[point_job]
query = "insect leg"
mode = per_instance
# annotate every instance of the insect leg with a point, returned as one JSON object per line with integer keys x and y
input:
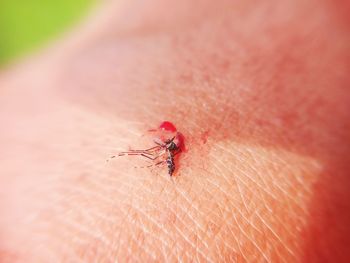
{"x": 151, "y": 158}
{"x": 147, "y": 151}
{"x": 147, "y": 166}
{"x": 163, "y": 144}
{"x": 151, "y": 153}
{"x": 141, "y": 153}
{"x": 147, "y": 155}
{"x": 154, "y": 148}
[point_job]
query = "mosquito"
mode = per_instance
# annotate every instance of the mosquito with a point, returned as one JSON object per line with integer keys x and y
{"x": 168, "y": 149}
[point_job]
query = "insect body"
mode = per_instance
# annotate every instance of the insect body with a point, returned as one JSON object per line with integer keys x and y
{"x": 163, "y": 153}
{"x": 170, "y": 163}
{"x": 172, "y": 150}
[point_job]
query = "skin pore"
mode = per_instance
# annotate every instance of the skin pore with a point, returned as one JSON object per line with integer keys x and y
{"x": 258, "y": 88}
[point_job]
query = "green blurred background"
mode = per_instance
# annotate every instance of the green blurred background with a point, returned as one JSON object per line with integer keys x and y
{"x": 28, "y": 24}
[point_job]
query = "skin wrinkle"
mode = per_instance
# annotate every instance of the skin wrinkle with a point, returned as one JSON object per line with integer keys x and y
{"x": 274, "y": 184}
{"x": 252, "y": 180}
{"x": 277, "y": 186}
{"x": 139, "y": 241}
{"x": 264, "y": 221}
{"x": 148, "y": 232}
{"x": 208, "y": 236}
{"x": 238, "y": 208}
{"x": 190, "y": 230}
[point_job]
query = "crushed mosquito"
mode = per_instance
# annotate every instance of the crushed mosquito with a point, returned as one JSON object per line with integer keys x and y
{"x": 168, "y": 144}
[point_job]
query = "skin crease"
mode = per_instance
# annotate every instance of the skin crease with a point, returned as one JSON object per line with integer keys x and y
{"x": 258, "y": 88}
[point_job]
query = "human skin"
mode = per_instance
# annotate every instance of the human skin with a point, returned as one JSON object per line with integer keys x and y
{"x": 258, "y": 88}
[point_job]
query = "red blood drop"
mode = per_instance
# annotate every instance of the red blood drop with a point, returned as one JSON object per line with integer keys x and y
{"x": 180, "y": 141}
{"x": 167, "y": 126}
